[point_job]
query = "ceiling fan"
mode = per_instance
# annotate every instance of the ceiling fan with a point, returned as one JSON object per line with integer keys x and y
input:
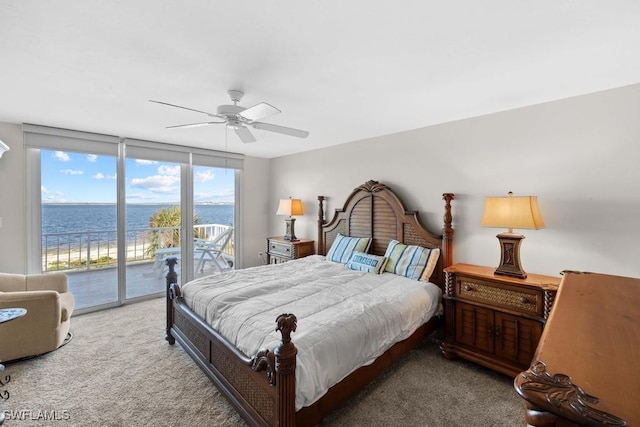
{"x": 240, "y": 118}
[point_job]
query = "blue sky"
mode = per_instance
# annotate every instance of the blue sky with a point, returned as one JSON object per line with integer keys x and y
{"x": 86, "y": 178}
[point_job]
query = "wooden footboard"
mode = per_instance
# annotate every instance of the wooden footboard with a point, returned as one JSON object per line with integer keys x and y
{"x": 262, "y": 387}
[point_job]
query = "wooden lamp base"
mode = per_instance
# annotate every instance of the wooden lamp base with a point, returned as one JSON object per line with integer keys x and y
{"x": 510, "y": 255}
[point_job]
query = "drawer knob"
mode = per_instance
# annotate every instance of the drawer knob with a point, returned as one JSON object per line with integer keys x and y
{"x": 524, "y": 300}
{"x": 468, "y": 288}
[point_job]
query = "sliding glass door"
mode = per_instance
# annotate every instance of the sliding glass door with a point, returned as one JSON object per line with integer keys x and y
{"x": 109, "y": 211}
{"x": 153, "y": 223}
{"x": 214, "y": 220}
{"x": 79, "y": 223}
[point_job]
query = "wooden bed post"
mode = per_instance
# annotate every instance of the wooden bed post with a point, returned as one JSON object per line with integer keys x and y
{"x": 320, "y": 250}
{"x": 447, "y": 231}
{"x": 285, "y": 354}
{"x": 172, "y": 277}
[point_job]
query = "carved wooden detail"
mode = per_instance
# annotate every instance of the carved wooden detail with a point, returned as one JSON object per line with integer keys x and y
{"x": 175, "y": 291}
{"x": 171, "y": 280}
{"x": 560, "y": 392}
{"x": 172, "y": 276}
{"x": 448, "y": 284}
{"x": 447, "y": 231}
{"x": 287, "y": 323}
{"x": 321, "y": 248}
{"x": 265, "y": 361}
{"x": 286, "y": 368}
{"x": 549, "y": 297}
{"x": 371, "y": 186}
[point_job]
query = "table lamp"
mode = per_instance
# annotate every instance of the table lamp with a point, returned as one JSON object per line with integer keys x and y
{"x": 290, "y": 207}
{"x": 511, "y": 212}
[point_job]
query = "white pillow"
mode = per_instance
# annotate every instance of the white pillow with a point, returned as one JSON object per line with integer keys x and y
{"x": 361, "y": 261}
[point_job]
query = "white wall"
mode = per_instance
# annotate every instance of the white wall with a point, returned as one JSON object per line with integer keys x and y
{"x": 12, "y": 201}
{"x": 254, "y": 200}
{"x": 579, "y": 156}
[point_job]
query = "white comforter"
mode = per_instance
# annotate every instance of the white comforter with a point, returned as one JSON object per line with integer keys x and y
{"x": 346, "y": 318}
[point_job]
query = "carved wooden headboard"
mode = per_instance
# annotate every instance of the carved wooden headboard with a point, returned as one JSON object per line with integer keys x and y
{"x": 373, "y": 210}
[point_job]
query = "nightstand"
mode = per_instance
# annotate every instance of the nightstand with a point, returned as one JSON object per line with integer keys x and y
{"x": 495, "y": 321}
{"x": 281, "y": 250}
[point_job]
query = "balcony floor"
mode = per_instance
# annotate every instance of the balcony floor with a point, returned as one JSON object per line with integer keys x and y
{"x": 96, "y": 287}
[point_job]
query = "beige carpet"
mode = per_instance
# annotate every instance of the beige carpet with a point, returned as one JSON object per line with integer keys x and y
{"x": 119, "y": 371}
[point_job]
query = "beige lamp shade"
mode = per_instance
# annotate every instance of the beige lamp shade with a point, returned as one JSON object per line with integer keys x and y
{"x": 512, "y": 212}
{"x": 290, "y": 207}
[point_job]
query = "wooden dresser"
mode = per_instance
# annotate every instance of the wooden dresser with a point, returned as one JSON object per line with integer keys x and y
{"x": 281, "y": 250}
{"x": 586, "y": 369}
{"x": 495, "y": 321}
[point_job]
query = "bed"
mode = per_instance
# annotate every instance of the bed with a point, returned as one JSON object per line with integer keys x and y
{"x": 258, "y": 375}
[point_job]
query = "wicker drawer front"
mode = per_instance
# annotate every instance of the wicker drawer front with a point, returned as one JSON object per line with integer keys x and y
{"x": 282, "y": 249}
{"x": 520, "y": 299}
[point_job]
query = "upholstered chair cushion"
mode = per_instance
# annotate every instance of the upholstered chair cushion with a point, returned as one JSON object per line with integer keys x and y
{"x": 49, "y": 307}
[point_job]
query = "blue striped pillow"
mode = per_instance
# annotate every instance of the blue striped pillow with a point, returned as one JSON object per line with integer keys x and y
{"x": 344, "y": 246}
{"x": 406, "y": 260}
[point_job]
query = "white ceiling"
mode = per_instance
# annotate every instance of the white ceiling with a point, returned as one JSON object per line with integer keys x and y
{"x": 343, "y": 70}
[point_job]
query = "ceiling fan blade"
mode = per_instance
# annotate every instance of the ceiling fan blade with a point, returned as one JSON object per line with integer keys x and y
{"x": 259, "y": 111}
{"x": 245, "y": 134}
{"x": 280, "y": 129}
{"x": 195, "y": 125}
{"x": 185, "y": 108}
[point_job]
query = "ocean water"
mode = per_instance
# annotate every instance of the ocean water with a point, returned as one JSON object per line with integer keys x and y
{"x": 82, "y": 218}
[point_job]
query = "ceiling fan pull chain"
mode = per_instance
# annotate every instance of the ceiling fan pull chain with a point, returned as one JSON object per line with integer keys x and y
{"x": 226, "y": 151}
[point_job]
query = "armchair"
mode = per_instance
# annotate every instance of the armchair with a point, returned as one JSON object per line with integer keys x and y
{"x": 49, "y": 307}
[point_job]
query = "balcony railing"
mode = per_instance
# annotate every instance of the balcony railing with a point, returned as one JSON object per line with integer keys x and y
{"x": 99, "y": 249}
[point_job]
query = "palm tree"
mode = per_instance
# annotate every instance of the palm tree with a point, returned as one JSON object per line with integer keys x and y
{"x": 165, "y": 223}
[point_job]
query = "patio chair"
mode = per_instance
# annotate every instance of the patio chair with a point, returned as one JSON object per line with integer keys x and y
{"x": 213, "y": 251}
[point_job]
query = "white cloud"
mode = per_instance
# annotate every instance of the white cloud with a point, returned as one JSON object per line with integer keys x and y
{"x": 169, "y": 170}
{"x": 226, "y": 194}
{"x": 71, "y": 172}
{"x": 140, "y": 196}
{"x": 157, "y": 183}
{"x": 99, "y": 175}
{"x": 61, "y": 156}
{"x": 145, "y": 162}
{"x": 92, "y": 158}
{"x": 43, "y": 189}
{"x": 204, "y": 176}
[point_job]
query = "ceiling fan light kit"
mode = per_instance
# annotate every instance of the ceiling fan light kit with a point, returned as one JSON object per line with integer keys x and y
{"x": 238, "y": 118}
